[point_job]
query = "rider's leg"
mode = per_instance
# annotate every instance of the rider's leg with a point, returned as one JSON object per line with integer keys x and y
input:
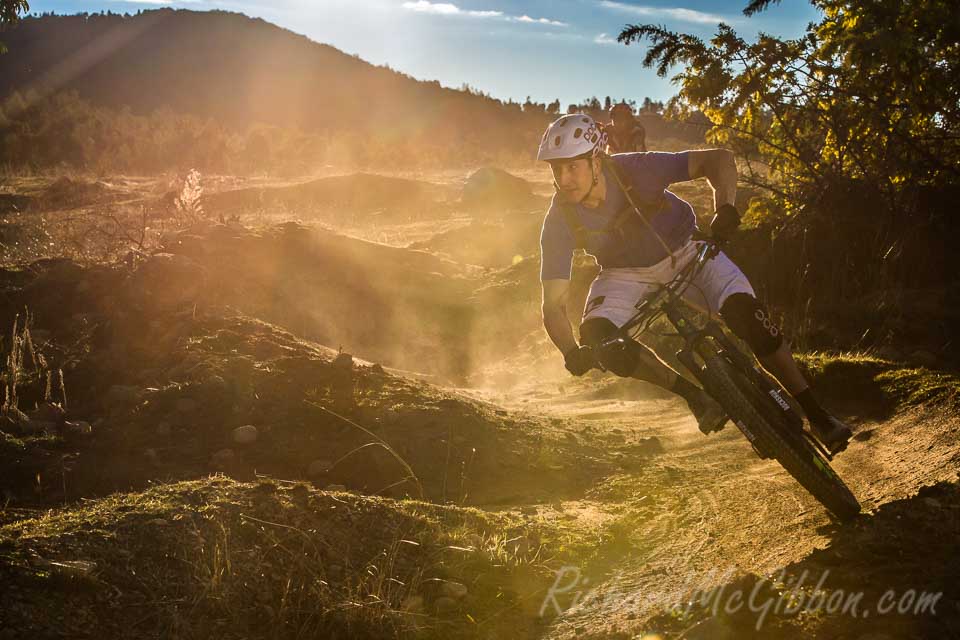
{"x": 632, "y": 359}
{"x": 747, "y": 318}
{"x": 722, "y": 287}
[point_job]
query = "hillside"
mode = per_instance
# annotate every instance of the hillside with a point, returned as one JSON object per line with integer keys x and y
{"x": 176, "y": 59}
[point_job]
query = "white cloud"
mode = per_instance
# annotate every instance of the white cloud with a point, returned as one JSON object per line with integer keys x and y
{"x": 448, "y": 9}
{"x": 164, "y": 2}
{"x": 604, "y": 38}
{"x": 676, "y": 13}
{"x": 526, "y": 18}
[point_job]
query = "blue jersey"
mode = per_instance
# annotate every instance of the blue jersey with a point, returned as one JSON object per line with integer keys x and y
{"x": 632, "y": 245}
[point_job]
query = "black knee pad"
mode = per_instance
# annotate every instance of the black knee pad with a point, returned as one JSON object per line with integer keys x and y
{"x": 747, "y": 318}
{"x": 621, "y": 357}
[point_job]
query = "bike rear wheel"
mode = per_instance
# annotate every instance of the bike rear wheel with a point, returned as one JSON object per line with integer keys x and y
{"x": 731, "y": 388}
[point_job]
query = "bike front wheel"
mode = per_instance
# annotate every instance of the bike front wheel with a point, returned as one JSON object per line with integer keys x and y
{"x": 732, "y": 389}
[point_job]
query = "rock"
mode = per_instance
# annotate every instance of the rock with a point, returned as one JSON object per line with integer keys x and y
{"x": 455, "y": 590}
{"x": 492, "y": 188}
{"x": 445, "y": 605}
{"x": 391, "y": 416}
{"x": 186, "y": 405}
{"x": 223, "y": 458}
{"x": 343, "y": 361}
{"x": 528, "y": 510}
{"x": 376, "y": 367}
{"x": 923, "y": 358}
{"x": 318, "y": 468}
{"x": 158, "y": 522}
{"x": 412, "y": 604}
{"x": 150, "y": 454}
{"x": 247, "y": 434}
{"x": 78, "y": 428}
{"x": 647, "y": 446}
{"x": 932, "y": 503}
{"x": 335, "y": 487}
{"x": 72, "y": 568}
{"x": 163, "y": 429}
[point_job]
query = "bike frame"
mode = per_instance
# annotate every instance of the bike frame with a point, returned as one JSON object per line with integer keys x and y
{"x": 708, "y": 341}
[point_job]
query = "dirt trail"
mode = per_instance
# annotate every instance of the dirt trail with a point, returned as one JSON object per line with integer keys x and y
{"x": 707, "y": 510}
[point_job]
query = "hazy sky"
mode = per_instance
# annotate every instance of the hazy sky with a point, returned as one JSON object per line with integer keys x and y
{"x": 546, "y": 49}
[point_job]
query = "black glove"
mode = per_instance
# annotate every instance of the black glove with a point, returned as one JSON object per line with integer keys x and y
{"x": 725, "y": 222}
{"x": 579, "y": 360}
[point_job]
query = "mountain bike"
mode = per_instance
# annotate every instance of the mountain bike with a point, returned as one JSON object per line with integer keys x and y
{"x": 751, "y": 398}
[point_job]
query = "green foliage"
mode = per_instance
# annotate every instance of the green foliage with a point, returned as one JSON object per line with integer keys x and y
{"x": 853, "y": 131}
{"x": 880, "y": 385}
{"x": 65, "y": 131}
{"x": 10, "y": 11}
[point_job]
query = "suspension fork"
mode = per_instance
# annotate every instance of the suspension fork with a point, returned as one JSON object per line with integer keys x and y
{"x": 692, "y": 338}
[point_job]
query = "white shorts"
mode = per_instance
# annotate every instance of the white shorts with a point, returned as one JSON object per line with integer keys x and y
{"x": 615, "y": 293}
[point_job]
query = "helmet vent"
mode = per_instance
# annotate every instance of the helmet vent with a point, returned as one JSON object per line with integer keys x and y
{"x": 556, "y": 141}
{"x": 578, "y": 133}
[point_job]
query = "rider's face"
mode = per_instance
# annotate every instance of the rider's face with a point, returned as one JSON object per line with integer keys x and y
{"x": 573, "y": 177}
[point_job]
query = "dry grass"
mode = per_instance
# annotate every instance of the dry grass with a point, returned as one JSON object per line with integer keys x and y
{"x": 272, "y": 560}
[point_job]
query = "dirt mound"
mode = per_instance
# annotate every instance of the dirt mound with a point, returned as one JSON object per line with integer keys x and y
{"x": 495, "y": 189}
{"x": 338, "y": 199}
{"x": 176, "y": 387}
{"x": 215, "y": 558}
{"x": 404, "y": 308}
{"x": 493, "y": 243}
{"x": 67, "y": 193}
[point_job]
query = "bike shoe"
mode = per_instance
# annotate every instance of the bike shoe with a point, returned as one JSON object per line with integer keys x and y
{"x": 709, "y": 414}
{"x": 833, "y": 433}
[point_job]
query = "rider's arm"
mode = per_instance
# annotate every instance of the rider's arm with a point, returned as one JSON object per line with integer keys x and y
{"x": 719, "y": 167}
{"x": 555, "y": 314}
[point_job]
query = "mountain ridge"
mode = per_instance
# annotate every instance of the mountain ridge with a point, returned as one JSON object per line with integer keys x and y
{"x": 271, "y": 75}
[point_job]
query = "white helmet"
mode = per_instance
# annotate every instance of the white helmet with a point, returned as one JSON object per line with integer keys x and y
{"x": 571, "y": 136}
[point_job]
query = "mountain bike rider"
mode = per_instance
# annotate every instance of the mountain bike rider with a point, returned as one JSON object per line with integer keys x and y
{"x": 624, "y": 133}
{"x": 590, "y": 211}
